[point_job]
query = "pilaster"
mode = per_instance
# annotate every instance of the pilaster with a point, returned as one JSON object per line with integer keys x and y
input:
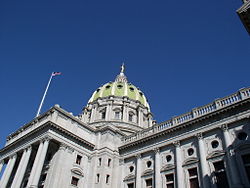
{"x": 157, "y": 168}
{"x": 178, "y": 162}
{"x": 231, "y": 161}
{"x": 138, "y": 171}
{"x": 203, "y": 161}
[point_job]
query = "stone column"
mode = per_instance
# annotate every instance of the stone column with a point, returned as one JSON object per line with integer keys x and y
{"x": 140, "y": 117}
{"x": 231, "y": 162}
{"x": 203, "y": 162}
{"x": 21, "y": 168}
{"x": 121, "y": 163}
{"x": 157, "y": 168}
{"x": 8, "y": 170}
{"x": 33, "y": 170}
{"x": 1, "y": 165}
{"x": 93, "y": 113}
{"x": 125, "y": 113}
{"x": 108, "y": 112}
{"x": 40, "y": 163}
{"x": 58, "y": 164}
{"x": 138, "y": 171}
{"x": 178, "y": 163}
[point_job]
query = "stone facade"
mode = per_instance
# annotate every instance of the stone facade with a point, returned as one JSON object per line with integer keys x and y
{"x": 114, "y": 143}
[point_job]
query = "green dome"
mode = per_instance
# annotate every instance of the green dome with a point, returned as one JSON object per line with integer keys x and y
{"x": 120, "y": 88}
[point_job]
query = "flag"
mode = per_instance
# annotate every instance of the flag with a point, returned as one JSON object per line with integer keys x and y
{"x": 56, "y": 73}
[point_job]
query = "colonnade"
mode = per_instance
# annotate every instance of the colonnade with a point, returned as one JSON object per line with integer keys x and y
{"x": 22, "y": 166}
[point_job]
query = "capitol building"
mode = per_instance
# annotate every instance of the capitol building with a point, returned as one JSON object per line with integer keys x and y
{"x": 115, "y": 143}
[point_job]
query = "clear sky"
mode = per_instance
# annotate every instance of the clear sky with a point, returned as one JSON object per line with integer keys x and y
{"x": 181, "y": 54}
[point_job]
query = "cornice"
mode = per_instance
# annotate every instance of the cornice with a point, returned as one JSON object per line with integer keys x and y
{"x": 152, "y": 135}
{"x": 48, "y": 125}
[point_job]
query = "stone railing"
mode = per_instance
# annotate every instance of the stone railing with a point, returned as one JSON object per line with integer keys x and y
{"x": 242, "y": 94}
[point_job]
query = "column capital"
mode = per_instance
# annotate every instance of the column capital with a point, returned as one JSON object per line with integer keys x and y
{"x": 199, "y": 135}
{"x": 138, "y": 156}
{"x": 224, "y": 127}
{"x": 13, "y": 156}
{"x": 29, "y": 147}
{"x": 62, "y": 146}
{"x": 70, "y": 149}
{"x": 89, "y": 158}
{"x": 156, "y": 150}
{"x": 46, "y": 138}
{"x": 121, "y": 161}
{"x": 177, "y": 143}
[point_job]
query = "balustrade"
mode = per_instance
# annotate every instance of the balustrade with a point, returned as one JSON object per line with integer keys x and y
{"x": 195, "y": 113}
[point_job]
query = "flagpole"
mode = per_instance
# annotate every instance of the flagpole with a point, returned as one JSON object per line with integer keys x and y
{"x": 39, "y": 109}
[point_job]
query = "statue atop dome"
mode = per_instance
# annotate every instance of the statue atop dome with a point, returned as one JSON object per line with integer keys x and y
{"x": 121, "y": 77}
{"x": 122, "y": 68}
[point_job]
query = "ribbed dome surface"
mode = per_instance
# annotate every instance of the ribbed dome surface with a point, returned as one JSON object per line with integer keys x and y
{"x": 120, "y": 88}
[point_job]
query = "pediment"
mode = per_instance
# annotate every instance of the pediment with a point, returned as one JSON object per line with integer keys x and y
{"x": 190, "y": 160}
{"x": 216, "y": 154}
{"x": 167, "y": 167}
{"x": 77, "y": 171}
{"x": 148, "y": 172}
{"x": 129, "y": 177}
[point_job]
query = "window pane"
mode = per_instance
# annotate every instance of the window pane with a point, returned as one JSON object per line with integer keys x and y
{"x": 194, "y": 183}
{"x": 131, "y": 185}
{"x": 170, "y": 185}
{"x": 170, "y": 177}
{"x": 192, "y": 172}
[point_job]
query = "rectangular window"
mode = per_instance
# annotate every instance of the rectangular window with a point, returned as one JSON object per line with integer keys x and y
{"x": 97, "y": 178}
{"x": 103, "y": 115}
{"x": 130, "y": 117}
{"x": 74, "y": 181}
{"x": 109, "y": 162}
{"x": 193, "y": 178}
{"x": 149, "y": 183}
{"x": 220, "y": 174}
{"x": 131, "y": 185}
{"x": 169, "y": 180}
{"x": 78, "y": 159}
{"x": 107, "y": 179}
{"x": 100, "y": 162}
{"x": 246, "y": 161}
{"x": 117, "y": 115}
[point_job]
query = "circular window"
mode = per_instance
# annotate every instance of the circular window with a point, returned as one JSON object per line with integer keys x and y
{"x": 168, "y": 158}
{"x": 215, "y": 144}
{"x": 131, "y": 89}
{"x": 108, "y": 86}
{"x": 97, "y": 90}
{"x": 149, "y": 163}
{"x": 242, "y": 136}
{"x": 119, "y": 86}
{"x": 141, "y": 93}
{"x": 131, "y": 168}
{"x": 190, "y": 151}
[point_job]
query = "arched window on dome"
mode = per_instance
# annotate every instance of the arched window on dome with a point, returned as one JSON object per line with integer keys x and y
{"x": 103, "y": 113}
{"x": 117, "y": 113}
{"x": 131, "y": 117}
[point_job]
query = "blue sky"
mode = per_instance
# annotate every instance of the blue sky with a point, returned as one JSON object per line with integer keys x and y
{"x": 181, "y": 54}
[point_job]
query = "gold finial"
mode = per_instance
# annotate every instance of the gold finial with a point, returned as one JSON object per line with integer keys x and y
{"x": 122, "y": 68}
